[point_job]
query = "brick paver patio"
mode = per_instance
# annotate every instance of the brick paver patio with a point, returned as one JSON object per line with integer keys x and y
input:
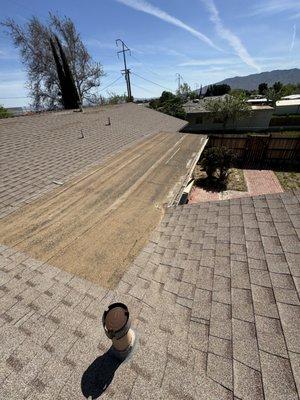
{"x": 214, "y": 298}
{"x": 37, "y": 150}
{"x": 258, "y": 182}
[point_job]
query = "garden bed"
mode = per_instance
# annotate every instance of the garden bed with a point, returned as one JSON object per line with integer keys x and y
{"x": 235, "y": 181}
{"x": 288, "y": 179}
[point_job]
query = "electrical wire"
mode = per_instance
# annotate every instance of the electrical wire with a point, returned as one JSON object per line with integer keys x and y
{"x": 154, "y": 83}
{"x": 140, "y": 87}
{"x": 110, "y": 84}
{"x": 146, "y": 68}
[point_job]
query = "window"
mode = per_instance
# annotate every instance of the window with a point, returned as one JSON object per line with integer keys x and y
{"x": 199, "y": 120}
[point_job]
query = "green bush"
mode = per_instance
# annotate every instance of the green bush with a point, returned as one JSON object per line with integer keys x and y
{"x": 4, "y": 113}
{"x": 216, "y": 162}
{"x": 170, "y": 104}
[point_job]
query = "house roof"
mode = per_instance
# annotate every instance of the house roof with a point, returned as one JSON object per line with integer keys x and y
{"x": 41, "y": 148}
{"x": 282, "y": 103}
{"x": 291, "y": 97}
{"x": 214, "y": 300}
{"x": 199, "y": 107}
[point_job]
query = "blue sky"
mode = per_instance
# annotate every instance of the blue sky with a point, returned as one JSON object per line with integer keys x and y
{"x": 203, "y": 40}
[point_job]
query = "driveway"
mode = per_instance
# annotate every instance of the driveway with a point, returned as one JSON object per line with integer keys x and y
{"x": 94, "y": 225}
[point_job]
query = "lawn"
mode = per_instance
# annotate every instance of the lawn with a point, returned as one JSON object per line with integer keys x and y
{"x": 235, "y": 181}
{"x": 288, "y": 179}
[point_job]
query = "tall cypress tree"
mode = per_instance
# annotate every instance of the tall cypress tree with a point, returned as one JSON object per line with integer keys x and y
{"x": 61, "y": 75}
{"x": 69, "y": 92}
{"x": 70, "y": 83}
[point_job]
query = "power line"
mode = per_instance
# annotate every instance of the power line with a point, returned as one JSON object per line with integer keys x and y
{"x": 146, "y": 68}
{"x": 140, "y": 87}
{"x": 154, "y": 83}
{"x": 110, "y": 84}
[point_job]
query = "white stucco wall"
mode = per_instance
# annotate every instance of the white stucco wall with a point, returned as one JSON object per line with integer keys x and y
{"x": 258, "y": 120}
{"x": 287, "y": 109}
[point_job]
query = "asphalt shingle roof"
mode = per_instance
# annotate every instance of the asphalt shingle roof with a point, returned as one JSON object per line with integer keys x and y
{"x": 36, "y": 150}
{"x": 214, "y": 299}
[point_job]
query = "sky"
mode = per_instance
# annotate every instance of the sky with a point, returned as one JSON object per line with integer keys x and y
{"x": 204, "y": 41}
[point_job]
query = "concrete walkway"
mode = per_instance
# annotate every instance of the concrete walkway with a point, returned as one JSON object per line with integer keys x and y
{"x": 259, "y": 182}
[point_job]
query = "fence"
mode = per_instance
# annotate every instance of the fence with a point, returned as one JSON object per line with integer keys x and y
{"x": 258, "y": 150}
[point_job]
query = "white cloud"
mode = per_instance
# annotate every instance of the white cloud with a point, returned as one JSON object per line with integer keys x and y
{"x": 275, "y": 6}
{"x": 100, "y": 45}
{"x": 293, "y": 37}
{"x": 208, "y": 62}
{"x": 229, "y": 36}
{"x": 144, "y": 6}
{"x": 8, "y": 54}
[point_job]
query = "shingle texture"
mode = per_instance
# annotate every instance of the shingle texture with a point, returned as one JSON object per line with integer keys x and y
{"x": 39, "y": 149}
{"x": 214, "y": 299}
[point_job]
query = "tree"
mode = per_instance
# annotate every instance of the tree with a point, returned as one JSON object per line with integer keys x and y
{"x": 186, "y": 92}
{"x": 228, "y": 108}
{"x": 33, "y": 40}
{"x": 69, "y": 94}
{"x": 238, "y": 93}
{"x": 217, "y": 160}
{"x": 4, "y": 113}
{"x": 114, "y": 98}
{"x": 169, "y": 104}
{"x": 217, "y": 90}
{"x": 273, "y": 96}
{"x": 277, "y": 87}
{"x": 262, "y": 88}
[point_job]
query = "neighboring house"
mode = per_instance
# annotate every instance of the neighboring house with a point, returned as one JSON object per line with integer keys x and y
{"x": 285, "y": 107}
{"x": 259, "y": 102}
{"x": 291, "y": 97}
{"x": 200, "y": 119}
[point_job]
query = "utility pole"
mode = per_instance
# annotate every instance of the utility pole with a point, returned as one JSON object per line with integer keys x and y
{"x": 125, "y": 71}
{"x": 179, "y": 78}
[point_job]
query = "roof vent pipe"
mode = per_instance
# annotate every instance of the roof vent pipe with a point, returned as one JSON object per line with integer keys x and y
{"x": 117, "y": 327}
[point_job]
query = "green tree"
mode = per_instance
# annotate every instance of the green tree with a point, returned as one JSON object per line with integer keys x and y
{"x": 228, "y": 108}
{"x": 4, "y": 113}
{"x": 186, "y": 92}
{"x": 33, "y": 41}
{"x": 169, "y": 104}
{"x": 69, "y": 94}
{"x": 278, "y": 86}
{"x": 262, "y": 88}
{"x": 238, "y": 93}
{"x": 217, "y": 90}
{"x": 273, "y": 96}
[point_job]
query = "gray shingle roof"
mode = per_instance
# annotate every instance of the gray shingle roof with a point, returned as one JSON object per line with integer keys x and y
{"x": 36, "y": 150}
{"x": 214, "y": 298}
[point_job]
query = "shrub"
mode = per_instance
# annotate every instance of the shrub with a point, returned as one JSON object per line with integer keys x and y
{"x": 216, "y": 161}
{"x": 4, "y": 113}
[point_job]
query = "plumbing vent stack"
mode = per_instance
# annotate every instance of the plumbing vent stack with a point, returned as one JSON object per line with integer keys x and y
{"x": 117, "y": 327}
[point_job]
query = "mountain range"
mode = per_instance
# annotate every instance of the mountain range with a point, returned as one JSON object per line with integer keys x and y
{"x": 251, "y": 82}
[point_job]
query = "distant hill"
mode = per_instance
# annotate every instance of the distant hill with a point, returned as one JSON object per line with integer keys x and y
{"x": 251, "y": 82}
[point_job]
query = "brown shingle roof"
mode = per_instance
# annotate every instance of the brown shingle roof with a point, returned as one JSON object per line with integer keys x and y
{"x": 214, "y": 298}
